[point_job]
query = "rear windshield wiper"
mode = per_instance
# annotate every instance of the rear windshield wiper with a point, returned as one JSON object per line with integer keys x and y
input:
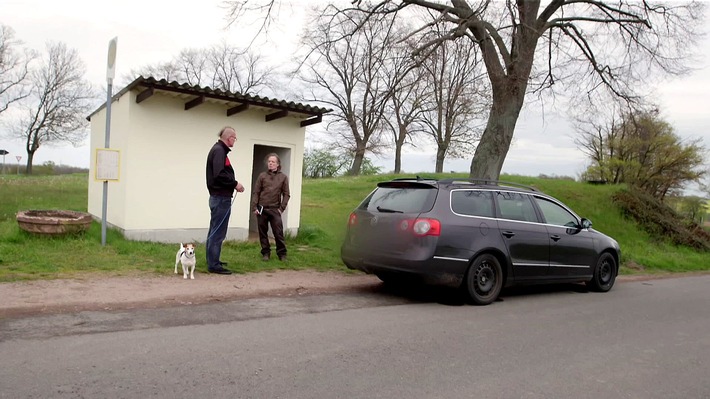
{"x": 387, "y": 210}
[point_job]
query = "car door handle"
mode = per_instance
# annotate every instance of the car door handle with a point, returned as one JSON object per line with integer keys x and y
{"x": 555, "y": 237}
{"x": 508, "y": 234}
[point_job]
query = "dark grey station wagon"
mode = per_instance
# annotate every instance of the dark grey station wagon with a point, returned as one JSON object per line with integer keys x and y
{"x": 480, "y": 235}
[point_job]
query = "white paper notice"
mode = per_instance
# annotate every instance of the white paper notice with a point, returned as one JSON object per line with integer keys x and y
{"x": 107, "y": 164}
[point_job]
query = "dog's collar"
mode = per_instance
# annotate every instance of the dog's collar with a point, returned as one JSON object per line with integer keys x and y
{"x": 186, "y": 254}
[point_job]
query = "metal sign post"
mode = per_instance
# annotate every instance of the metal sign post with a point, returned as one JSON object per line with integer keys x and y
{"x": 110, "y": 73}
{"x": 3, "y": 153}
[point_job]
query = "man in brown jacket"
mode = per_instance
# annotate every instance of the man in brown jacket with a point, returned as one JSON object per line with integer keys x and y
{"x": 269, "y": 199}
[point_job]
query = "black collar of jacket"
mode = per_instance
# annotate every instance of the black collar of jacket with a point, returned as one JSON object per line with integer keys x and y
{"x": 226, "y": 147}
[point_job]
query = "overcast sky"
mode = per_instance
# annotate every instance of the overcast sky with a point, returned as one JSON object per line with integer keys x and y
{"x": 154, "y": 31}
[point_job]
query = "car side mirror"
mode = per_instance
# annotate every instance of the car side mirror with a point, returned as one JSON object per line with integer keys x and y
{"x": 586, "y": 223}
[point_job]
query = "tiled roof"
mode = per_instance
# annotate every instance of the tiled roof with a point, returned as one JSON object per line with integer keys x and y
{"x": 150, "y": 84}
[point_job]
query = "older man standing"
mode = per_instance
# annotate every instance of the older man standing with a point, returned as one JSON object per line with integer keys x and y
{"x": 221, "y": 183}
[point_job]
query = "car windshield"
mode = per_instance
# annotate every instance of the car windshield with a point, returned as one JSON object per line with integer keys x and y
{"x": 400, "y": 200}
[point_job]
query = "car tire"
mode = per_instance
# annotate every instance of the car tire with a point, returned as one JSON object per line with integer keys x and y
{"x": 604, "y": 274}
{"x": 484, "y": 280}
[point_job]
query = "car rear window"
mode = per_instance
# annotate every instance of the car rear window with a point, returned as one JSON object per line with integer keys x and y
{"x": 402, "y": 198}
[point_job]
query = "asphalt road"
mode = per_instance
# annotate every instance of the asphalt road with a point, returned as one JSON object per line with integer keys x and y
{"x": 644, "y": 339}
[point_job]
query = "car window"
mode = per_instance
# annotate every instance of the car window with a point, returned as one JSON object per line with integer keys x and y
{"x": 515, "y": 206}
{"x": 555, "y": 214}
{"x": 395, "y": 199}
{"x": 472, "y": 203}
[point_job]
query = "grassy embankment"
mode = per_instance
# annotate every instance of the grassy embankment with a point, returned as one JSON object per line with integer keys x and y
{"x": 326, "y": 204}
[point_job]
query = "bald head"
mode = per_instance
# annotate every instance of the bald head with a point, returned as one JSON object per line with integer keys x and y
{"x": 228, "y": 136}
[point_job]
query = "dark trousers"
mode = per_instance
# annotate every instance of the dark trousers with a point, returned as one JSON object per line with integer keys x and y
{"x": 220, "y": 208}
{"x": 271, "y": 216}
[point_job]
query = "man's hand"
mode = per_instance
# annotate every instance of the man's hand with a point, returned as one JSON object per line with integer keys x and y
{"x": 240, "y": 188}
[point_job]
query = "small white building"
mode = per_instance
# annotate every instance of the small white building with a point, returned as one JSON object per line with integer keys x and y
{"x": 162, "y": 132}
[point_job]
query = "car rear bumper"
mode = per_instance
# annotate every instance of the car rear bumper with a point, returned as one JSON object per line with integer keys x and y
{"x": 446, "y": 271}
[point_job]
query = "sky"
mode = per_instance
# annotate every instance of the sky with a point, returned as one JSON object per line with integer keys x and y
{"x": 150, "y": 32}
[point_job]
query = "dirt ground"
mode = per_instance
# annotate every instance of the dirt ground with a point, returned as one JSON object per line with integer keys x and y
{"x": 95, "y": 292}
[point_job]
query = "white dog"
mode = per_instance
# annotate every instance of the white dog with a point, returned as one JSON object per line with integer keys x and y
{"x": 186, "y": 256}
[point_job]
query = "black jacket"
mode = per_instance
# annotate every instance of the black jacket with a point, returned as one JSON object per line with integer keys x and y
{"x": 220, "y": 174}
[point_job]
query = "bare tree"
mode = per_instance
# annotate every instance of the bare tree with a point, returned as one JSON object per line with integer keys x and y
{"x": 165, "y": 70}
{"x": 14, "y": 69}
{"x": 595, "y": 45}
{"x": 457, "y": 98}
{"x": 404, "y": 111}
{"x": 59, "y": 101}
{"x": 242, "y": 71}
{"x": 351, "y": 73}
{"x": 192, "y": 66}
{"x": 219, "y": 67}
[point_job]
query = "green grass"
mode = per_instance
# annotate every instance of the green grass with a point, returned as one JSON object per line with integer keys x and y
{"x": 326, "y": 204}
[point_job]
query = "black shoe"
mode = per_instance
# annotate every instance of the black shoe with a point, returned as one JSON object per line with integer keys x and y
{"x": 219, "y": 270}
{"x": 283, "y": 258}
{"x": 265, "y": 257}
{"x": 223, "y": 264}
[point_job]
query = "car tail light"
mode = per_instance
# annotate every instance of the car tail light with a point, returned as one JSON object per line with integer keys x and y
{"x": 423, "y": 227}
{"x": 352, "y": 220}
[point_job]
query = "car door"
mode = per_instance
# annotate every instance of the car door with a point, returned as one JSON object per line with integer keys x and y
{"x": 572, "y": 252}
{"x": 472, "y": 226}
{"x": 526, "y": 239}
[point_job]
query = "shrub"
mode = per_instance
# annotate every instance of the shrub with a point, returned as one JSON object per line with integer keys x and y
{"x": 660, "y": 220}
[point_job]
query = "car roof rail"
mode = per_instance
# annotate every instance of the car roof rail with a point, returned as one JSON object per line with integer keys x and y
{"x": 491, "y": 182}
{"x": 417, "y": 178}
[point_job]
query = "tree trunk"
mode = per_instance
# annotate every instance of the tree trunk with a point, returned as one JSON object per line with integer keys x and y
{"x": 398, "y": 144}
{"x": 398, "y": 158}
{"x": 440, "y": 156}
{"x": 28, "y": 168}
{"x": 508, "y": 84}
{"x": 32, "y": 146}
{"x": 495, "y": 142}
{"x": 357, "y": 162}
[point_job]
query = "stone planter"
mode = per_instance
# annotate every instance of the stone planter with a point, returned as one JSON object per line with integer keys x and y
{"x": 53, "y": 222}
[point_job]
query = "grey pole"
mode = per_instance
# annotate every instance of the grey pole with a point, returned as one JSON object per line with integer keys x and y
{"x": 110, "y": 72}
{"x": 3, "y": 152}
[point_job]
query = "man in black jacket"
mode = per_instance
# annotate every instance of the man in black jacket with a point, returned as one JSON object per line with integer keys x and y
{"x": 220, "y": 183}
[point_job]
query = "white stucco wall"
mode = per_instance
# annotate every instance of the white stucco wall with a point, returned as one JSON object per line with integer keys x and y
{"x": 161, "y": 195}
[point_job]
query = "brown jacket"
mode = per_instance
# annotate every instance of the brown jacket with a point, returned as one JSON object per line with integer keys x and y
{"x": 270, "y": 191}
